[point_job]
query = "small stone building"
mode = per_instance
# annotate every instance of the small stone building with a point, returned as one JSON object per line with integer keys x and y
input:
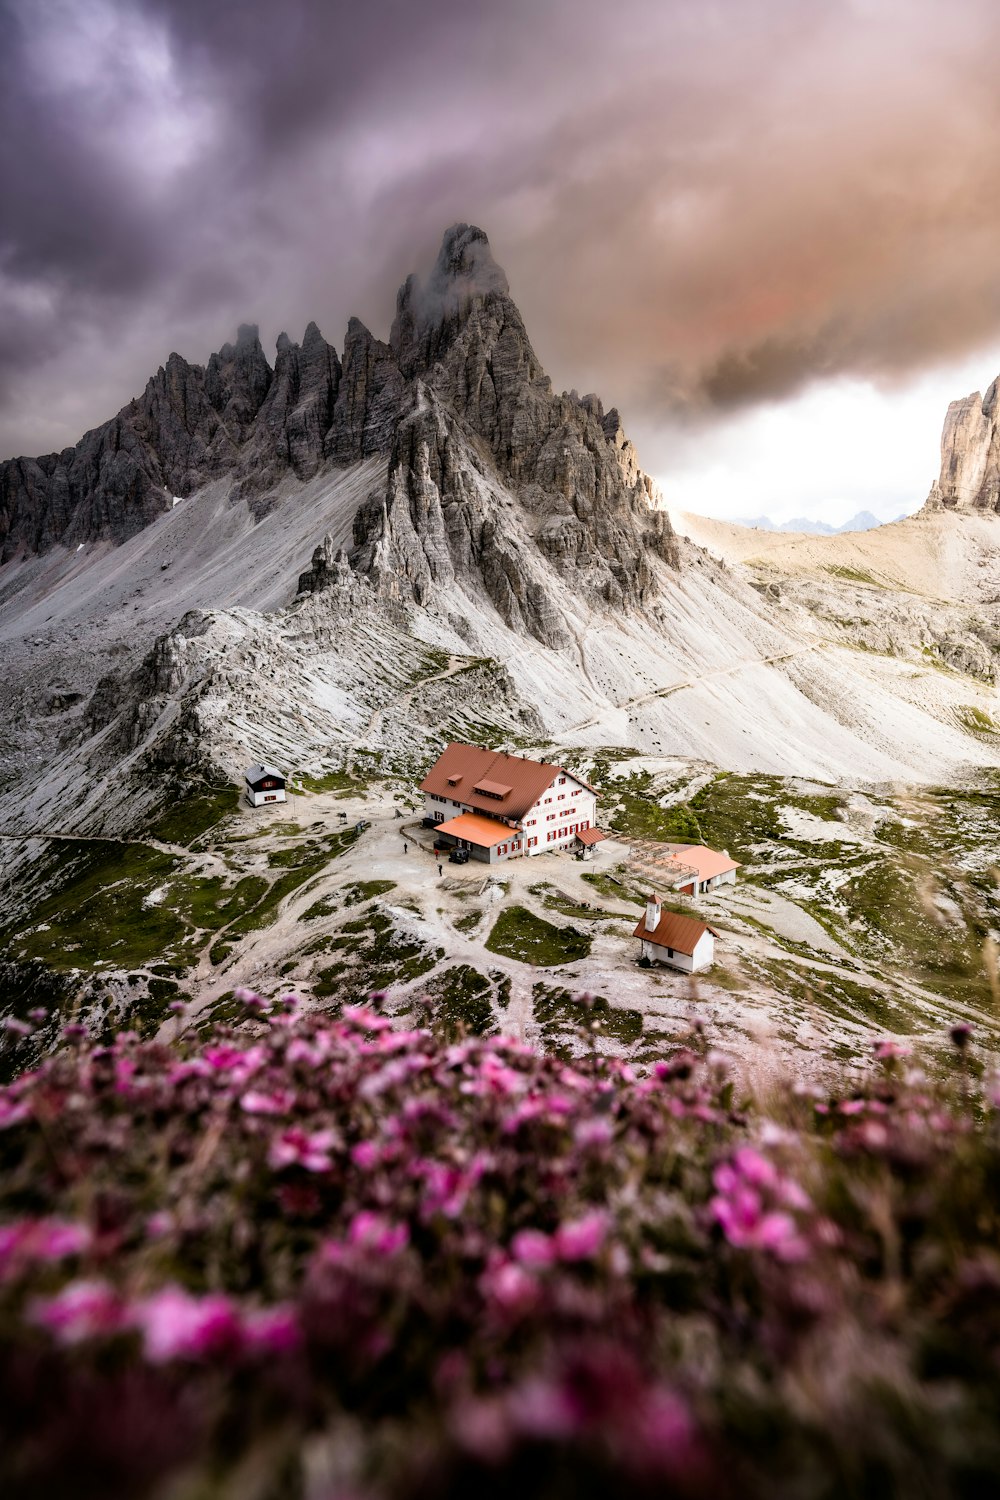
{"x": 668, "y": 938}
{"x": 263, "y": 784}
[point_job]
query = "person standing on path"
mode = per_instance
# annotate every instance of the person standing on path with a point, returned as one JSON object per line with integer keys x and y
{"x": 404, "y": 848}
{"x": 441, "y": 870}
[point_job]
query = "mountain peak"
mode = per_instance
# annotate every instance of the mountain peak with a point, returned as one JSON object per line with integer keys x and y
{"x": 430, "y": 313}
{"x": 465, "y": 266}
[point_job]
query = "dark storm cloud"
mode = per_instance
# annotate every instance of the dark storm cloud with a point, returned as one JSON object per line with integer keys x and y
{"x": 699, "y": 206}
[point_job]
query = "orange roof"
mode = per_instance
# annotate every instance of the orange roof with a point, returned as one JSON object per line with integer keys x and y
{"x": 674, "y": 931}
{"x": 707, "y": 862}
{"x": 490, "y": 780}
{"x": 486, "y": 832}
{"x": 591, "y": 836}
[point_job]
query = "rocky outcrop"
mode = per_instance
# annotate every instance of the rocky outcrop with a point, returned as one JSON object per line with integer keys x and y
{"x": 970, "y": 455}
{"x": 369, "y": 401}
{"x": 289, "y": 431}
{"x": 491, "y": 475}
{"x": 189, "y": 426}
{"x": 329, "y": 569}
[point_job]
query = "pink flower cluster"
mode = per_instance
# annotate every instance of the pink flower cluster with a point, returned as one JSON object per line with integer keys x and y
{"x": 755, "y": 1205}
{"x": 173, "y": 1323}
{"x": 498, "y": 1263}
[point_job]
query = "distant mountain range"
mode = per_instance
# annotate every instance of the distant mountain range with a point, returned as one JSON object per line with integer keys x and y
{"x": 863, "y": 521}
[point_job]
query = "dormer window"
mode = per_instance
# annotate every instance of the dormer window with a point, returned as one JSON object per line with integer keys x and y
{"x": 496, "y": 790}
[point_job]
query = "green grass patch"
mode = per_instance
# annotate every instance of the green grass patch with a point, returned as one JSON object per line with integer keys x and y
{"x": 639, "y": 815}
{"x": 518, "y": 933}
{"x": 610, "y": 885}
{"x": 856, "y": 575}
{"x": 324, "y": 908}
{"x": 310, "y": 860}
{"x": 469, "y": 922}
{"x": 372, "y": 955}
{"x": 210, "y": 903}
{"x": 567, "y": 1025}
{"x": 558, "y": 901}
{"x": 366, "y": 890}
{"x": 188, "y": 820}
{"x": 99, "y": 915}
{"x": 459, "y": 1004}
{"x": 331, "y": 781}
{"x": 975, "y": 721}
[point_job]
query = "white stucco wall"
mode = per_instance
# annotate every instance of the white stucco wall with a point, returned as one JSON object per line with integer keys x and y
{"x": 702, "y": 958}
{"x": 257, "y": 799}
{"x": 561, "y": 810}
{"x": 704, "y": 952}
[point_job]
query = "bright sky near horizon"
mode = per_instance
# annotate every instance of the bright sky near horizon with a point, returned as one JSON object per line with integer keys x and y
{"x": 841, "y": 447}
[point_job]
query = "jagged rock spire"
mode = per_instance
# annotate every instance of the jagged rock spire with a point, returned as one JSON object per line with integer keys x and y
{"x": 970, "y": 455}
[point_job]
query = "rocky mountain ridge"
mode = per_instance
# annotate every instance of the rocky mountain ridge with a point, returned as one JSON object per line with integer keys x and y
{"x": 863, "y": 520}
{"x": 487, "y": 465}
{"x": 970, "y": 455}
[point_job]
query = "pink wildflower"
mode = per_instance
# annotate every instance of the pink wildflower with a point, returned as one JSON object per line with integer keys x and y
{"x": 299, "y": 1148}
{"x": 594, "y": 1131}
{"x": 580, "y": 1239}
{"x": 42, "y": 1240}
{"x": 81, "y": 1310}
{"x": 510, "y": 1287}
{"x": 177, "y": 1325}
{"x": 373, "y": 1232}
{"x": 523, "y": 1112}
{"x": 12, "y": 1111}
{"x": 754, "y": 1168}
{"x": 363, "y": 1018}
{"x": 272, "y": 1330}
{"x": 533, "y": 1248}
{"x": 540, "y": 1408}
{"x": 257, "y": 1102}
{"x": 746, "y": 1225}
{"x": 887, "y": 1050}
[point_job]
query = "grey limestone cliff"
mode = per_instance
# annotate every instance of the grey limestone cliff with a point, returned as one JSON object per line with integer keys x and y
{"x": 491, "y": 471}
{"x": 970, "y": 455}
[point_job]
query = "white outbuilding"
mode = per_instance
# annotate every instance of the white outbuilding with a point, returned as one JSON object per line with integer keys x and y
{"x": 667, "y": 937}
{"x": 263, "y": 784}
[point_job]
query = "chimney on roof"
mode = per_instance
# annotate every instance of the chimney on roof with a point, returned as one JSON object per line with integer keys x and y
{"x": 653, "y": 911}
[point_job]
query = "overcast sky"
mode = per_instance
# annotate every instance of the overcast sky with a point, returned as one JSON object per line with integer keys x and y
{"x": 766, "y": 229}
